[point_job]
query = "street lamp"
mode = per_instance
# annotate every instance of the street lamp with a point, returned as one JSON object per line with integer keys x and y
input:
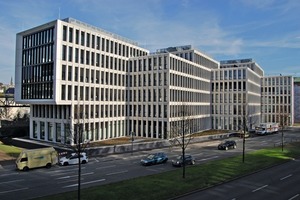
{"x": 132, "y": 139}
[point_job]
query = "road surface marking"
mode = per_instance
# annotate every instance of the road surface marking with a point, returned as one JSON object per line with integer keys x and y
{"x": 288, "y": 176}
{"x": 7, "y": 191}
{"x": 9, "y": 174}
{"x": 64, "y": 177}
{"x": 120, "y": 172}
{"x": 109, "y": 166}
{"x": 11, "y": 181}
{"x": 262, "y": 187}
{"x": 85, "y": 183}
{"x": 203, "y": 159}
{"x": 294, "y": 197}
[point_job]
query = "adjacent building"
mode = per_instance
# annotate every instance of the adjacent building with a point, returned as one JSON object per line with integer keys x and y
{"x": 73, "y": 73}
{"x": 236, "y": 94}
{"x": 277, "y": 99}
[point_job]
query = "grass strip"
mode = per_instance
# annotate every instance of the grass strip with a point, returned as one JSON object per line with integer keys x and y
{"x": 10, "y": 150}
{"x": 171, "y": 184}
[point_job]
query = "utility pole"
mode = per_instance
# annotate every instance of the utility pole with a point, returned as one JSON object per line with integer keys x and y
{"x": 244, "y": 139}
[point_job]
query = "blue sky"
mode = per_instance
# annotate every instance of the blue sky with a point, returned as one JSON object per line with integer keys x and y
{"x": 266, "y": 30}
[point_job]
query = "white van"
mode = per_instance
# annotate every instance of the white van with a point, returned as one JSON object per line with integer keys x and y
{"x": 33, "y": 158}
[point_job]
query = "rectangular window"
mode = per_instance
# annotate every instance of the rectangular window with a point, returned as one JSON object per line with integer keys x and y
{"x": 63, "y": 72}
{"x": 70, "y": 57}
{"x": 64, "y": 33}
{"x": 82, "y": 38}
{"x": 70, "y": 34}
{"x": 63, "y": 92}
{"x": 64, "y": 52}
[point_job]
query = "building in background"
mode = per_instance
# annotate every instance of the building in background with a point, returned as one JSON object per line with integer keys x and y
{"x": 296, "y": 99}
{"x": 236, "y": 94}
{"x": 277, "y": 99}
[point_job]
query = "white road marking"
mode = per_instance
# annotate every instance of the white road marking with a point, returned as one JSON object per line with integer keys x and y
{"x": 12, "y": 181}
{"x": 7, "y": 191}
{"x": 262, "y": 187}
{"x": 9, "y": 174}
{"x": 286, "y": 177}
{"x": 65, "y": 177}
{"x": 85, "y": 183}
{"x": 120, "y": 172}
{"x": 109, "y": 166}
{"x": 203, "y": 159}
{"x": 294, "y": 197}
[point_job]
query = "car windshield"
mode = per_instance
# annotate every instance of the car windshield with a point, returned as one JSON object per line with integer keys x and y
{"x": 151, "y": 156}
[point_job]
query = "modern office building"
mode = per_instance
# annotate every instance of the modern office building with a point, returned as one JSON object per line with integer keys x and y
{"x": 277, "y": 99}
{"x": 296, "y": 99}
{"x": 165, "y": 84}
{"x": 68, "y": 70}
{"x": 73, "y": 73}
{"x": 236, "y": 94}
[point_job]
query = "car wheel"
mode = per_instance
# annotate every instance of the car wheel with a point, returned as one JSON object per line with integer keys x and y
{"x": 66, "y": 163}
{"x": 48, "y": 165}
{"x": 226, "y": 148}
{"x": 26, "y": 169}
{"x": 83, "y": 162}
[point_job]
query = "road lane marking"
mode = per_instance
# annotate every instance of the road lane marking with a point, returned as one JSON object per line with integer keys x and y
{"x": 7, "y": 191}
{"x": 262, "y": 187}
{"x": 288, "y": 176}
{"x": 203, "y": 159}
{"x": 109, "y": 166}
{"x": 65, "y": 177}
{"x": 294, "y": 197}
{"x": 9, "y": 174}
{"x": 114, "y": 173}
{"x": 85, "y": 183}
{"x": 12, "y": 181}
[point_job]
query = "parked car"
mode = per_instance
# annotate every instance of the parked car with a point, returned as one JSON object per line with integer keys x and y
{"x": 155, "y": 158}
{"x": 178, "y": 162}
{"x": 73, "y": 159}
{"x": 227, "y": 144}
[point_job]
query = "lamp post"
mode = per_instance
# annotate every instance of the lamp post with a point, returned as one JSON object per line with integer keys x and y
{"x": 132, "y": 139}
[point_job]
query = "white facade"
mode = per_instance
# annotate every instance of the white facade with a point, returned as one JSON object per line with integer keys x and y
{"x": 71, "y": 72}
{"x": 278, "y": 99}
{"x": 236, "y": 94}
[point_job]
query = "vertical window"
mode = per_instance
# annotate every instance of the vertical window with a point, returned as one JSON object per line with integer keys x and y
{"x": 70, "y": 54}
{"x": 63, "y": 73}
{"x": 82, "y": 38}
{"x": 69, "y": 92}
{"x": 64, "y": 52}
{"x": 70, "y": 34}
{"x": 64, "y": 33}
{"x": 69, "y": 73}
{"x": 63, "y": 92}
{"x": 77, "y": 37}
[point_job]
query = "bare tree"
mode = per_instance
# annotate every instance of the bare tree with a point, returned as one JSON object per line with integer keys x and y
{"x": 75, "y": 138}
{"x": 247, "y": 123}
{"x": 180, "y": 132}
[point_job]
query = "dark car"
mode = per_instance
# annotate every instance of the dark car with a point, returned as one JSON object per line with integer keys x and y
{"x": 155, "y": 158}
{"x": 227, "y": 144}
{"x": 178, "y": 162}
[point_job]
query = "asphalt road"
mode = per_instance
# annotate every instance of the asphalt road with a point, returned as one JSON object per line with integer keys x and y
{"x": 103, "y": 170}
{"x": 277, "y": 183}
